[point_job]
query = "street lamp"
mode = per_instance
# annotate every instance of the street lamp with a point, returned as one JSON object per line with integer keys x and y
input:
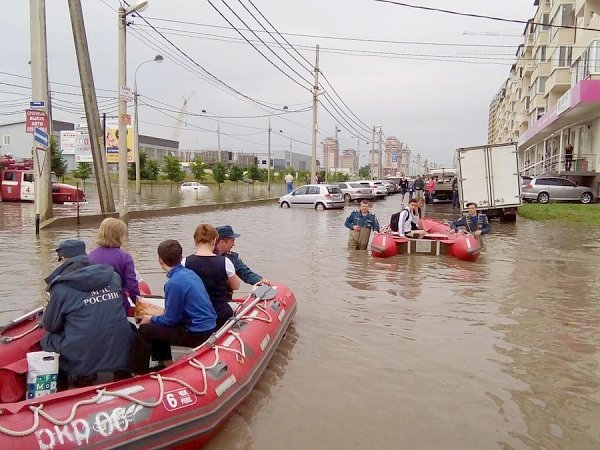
{"x": 124, "y": 119}
{"x": 269, "y": 157}
{"x": 136, "y": 130}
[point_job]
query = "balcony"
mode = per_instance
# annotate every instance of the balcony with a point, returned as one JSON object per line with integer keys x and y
{"x": 562, "y": 36}
{"x": 587, "y": 65}
{"x": 528, "y": 68}
{"x": 559, "y": 82}
{"x": 542, "y": 70}
{"x": 582, "y": 165}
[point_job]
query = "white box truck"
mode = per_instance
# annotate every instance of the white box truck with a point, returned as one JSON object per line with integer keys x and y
{"x": 489, "y": 176}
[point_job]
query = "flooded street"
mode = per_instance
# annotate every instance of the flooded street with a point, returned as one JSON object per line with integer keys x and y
{"x": 409, "y": 352}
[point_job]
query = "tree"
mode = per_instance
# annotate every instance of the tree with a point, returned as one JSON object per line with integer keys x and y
{"x": 219, "y": 171}
{"x": 197, "y": 168}
{"x": 254, "y": 173}
{"x": 151, "y": 171}
{"x": 131, "y": 170}
{"x": 236, "y": 174}
{"x": 172, "y": 169}
{"x": 57, "y": 164}
{"x": 364, "y": 172}
{"x": 83, "y": 172}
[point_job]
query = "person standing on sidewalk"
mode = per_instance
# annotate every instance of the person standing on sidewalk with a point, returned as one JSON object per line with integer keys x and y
{"x": 419, "y": 185}
{"x": 289, "y": 182}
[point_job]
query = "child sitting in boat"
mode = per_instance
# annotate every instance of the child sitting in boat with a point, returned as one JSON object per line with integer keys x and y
{"x": 188, "y": 319}
{"x": 84, "y": 319}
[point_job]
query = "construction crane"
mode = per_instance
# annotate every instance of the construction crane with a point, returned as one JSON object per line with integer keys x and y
{"x": 181, "y": 117}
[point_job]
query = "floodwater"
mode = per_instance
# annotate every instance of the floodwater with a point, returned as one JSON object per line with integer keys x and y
{"x": 410, "y": 352}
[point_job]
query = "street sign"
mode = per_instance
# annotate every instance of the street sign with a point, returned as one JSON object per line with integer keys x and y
{"x": 41, "y": 137}
{"x": 126, "y": 94}
{"x": 394, "y": 156}
{"x": 124, "y": 119}
{"x": 36, "y": 104}
{"x": 35, "y": 118}
{"x": 40, "y": 153}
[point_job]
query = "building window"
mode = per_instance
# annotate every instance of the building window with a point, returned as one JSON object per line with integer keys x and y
{"x": 546, "y": 22}
{"x": 6, "y": 140}
{"x": 540, "y": 53}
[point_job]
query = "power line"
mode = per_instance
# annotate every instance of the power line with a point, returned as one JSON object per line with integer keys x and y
{"x": 481, "y": 16}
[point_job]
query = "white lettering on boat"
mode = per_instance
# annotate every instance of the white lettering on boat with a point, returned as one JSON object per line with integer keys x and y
{"x": 281, "y": 314}
{"x": 179, "y": 398}
{"x": 78, "y": 431}
{"x": 220, "y": 389}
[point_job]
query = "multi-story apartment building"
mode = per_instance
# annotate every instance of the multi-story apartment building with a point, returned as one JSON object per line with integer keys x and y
{"x": 349, "y": 161}
{"x": 330, "y": 153}
{"x": 551, "y": 98}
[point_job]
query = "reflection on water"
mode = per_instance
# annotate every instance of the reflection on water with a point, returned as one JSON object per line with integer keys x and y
{"x": 410, "y": 352}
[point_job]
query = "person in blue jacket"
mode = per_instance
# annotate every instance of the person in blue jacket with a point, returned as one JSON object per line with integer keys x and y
{"x": 360, "y": 223}
{"x": 476, "y": 224}
{"x": 225, "y": 243}
{"x": 188, "y": 319}
{"x": 85, "y": 320}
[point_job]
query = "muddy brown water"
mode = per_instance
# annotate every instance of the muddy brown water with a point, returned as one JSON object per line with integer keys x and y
{"x": 410, "y": 352}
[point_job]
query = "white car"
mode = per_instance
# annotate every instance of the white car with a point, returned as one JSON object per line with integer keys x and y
{"x": 379, "y": 190}
{"x": 193, "y": 186}
{"x": 317, "y": 196}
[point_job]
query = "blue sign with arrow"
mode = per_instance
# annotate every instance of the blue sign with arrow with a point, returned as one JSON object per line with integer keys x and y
{"x": 36, "y": 104}
{"x": 41, "y": 137}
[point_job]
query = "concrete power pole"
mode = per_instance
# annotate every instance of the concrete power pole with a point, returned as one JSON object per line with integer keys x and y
{"x": 107, "y": 203}
{"x": 39, "y": 92}
{"x": 379, "y": 168}
{"x": 372, "y": 155}
{"x": 313, "y": 162}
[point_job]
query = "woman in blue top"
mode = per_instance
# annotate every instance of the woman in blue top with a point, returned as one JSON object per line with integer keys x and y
{"x": 188, "y": 320}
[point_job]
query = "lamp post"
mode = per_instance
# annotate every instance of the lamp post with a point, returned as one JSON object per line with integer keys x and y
{"x": 122, "y": 12}
{"x": 269, "y": 157}
{"x": 136, "y": 130}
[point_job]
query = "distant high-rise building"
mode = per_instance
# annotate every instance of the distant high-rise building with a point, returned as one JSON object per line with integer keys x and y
{"x": 330, "y": 153}
{"x": 349, "y": 160}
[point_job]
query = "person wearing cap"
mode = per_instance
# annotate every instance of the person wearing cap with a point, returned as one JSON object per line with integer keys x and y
{"x": 84, "y": 318}
{"x": 224, "y": 245}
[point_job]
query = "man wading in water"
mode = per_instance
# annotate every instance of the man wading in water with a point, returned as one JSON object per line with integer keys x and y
{"x": 360, "y": 224}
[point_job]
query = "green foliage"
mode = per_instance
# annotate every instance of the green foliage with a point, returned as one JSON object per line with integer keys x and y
{"x": 172, "y": 169}
{"x": 219, "y": 173}
{"x": 562, "y": 212}
{"x": 254, "y": 173}
{"x": 131, "y": 169}
{"x": 338, "y": 177}
{"x": 236, "y": 174}
{"x": 150, "y": 170}
{"x": 83, "y": 171}
{"x": 364, "y": 172}
{"x": 197, "y": 168}
{"x": 57, "y": 164}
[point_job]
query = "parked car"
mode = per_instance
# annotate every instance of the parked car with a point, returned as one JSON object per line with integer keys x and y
{"x": 389, "y": 185}
{"x": 317, "y": 196}
{"x": 544, "y": 189}
{"x": 356, "y": 191}
{"x": 379, "y": 190}
{"x": 193, "y": 186}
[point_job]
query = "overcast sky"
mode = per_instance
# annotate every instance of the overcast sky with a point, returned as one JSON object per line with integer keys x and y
{"x": 433, "y": 97}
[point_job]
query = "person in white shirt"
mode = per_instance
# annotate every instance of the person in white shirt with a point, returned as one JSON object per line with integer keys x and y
{"x": 409, "y": 220}
{"x": 289, "y": 182}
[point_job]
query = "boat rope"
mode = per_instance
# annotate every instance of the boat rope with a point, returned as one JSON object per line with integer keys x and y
{"x": 262, "y": 319}
{"x": 38, "y": 411}
{"x": 7, "y": 339}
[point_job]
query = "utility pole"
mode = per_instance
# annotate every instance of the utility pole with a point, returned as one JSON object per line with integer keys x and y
{"x": 219, "y": 140}
{"x": 39, "y": 93}
{"x": 373, "y": 156}
{"x": 290, "y": 162}
{"x": 379, "y": 171}
{"x": 269, "y": 161}
{"x": 418, "y": 163}
{"x": 123, "y": 182}
{"x": 313, "y": 162}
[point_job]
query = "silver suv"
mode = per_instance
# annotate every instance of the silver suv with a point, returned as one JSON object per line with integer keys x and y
{"x": 356, "y": 191}
{"x": 543, "y": 189}
{"x": 317, "y": 196}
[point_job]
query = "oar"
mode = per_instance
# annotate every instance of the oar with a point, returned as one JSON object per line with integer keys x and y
{"x": 21, "y": 319}
{"x": 262, "y": 292}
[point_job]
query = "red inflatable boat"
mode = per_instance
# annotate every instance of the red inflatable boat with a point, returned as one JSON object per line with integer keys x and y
{"x": 439, "y": 240}
{"x": 178, "y": 407}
